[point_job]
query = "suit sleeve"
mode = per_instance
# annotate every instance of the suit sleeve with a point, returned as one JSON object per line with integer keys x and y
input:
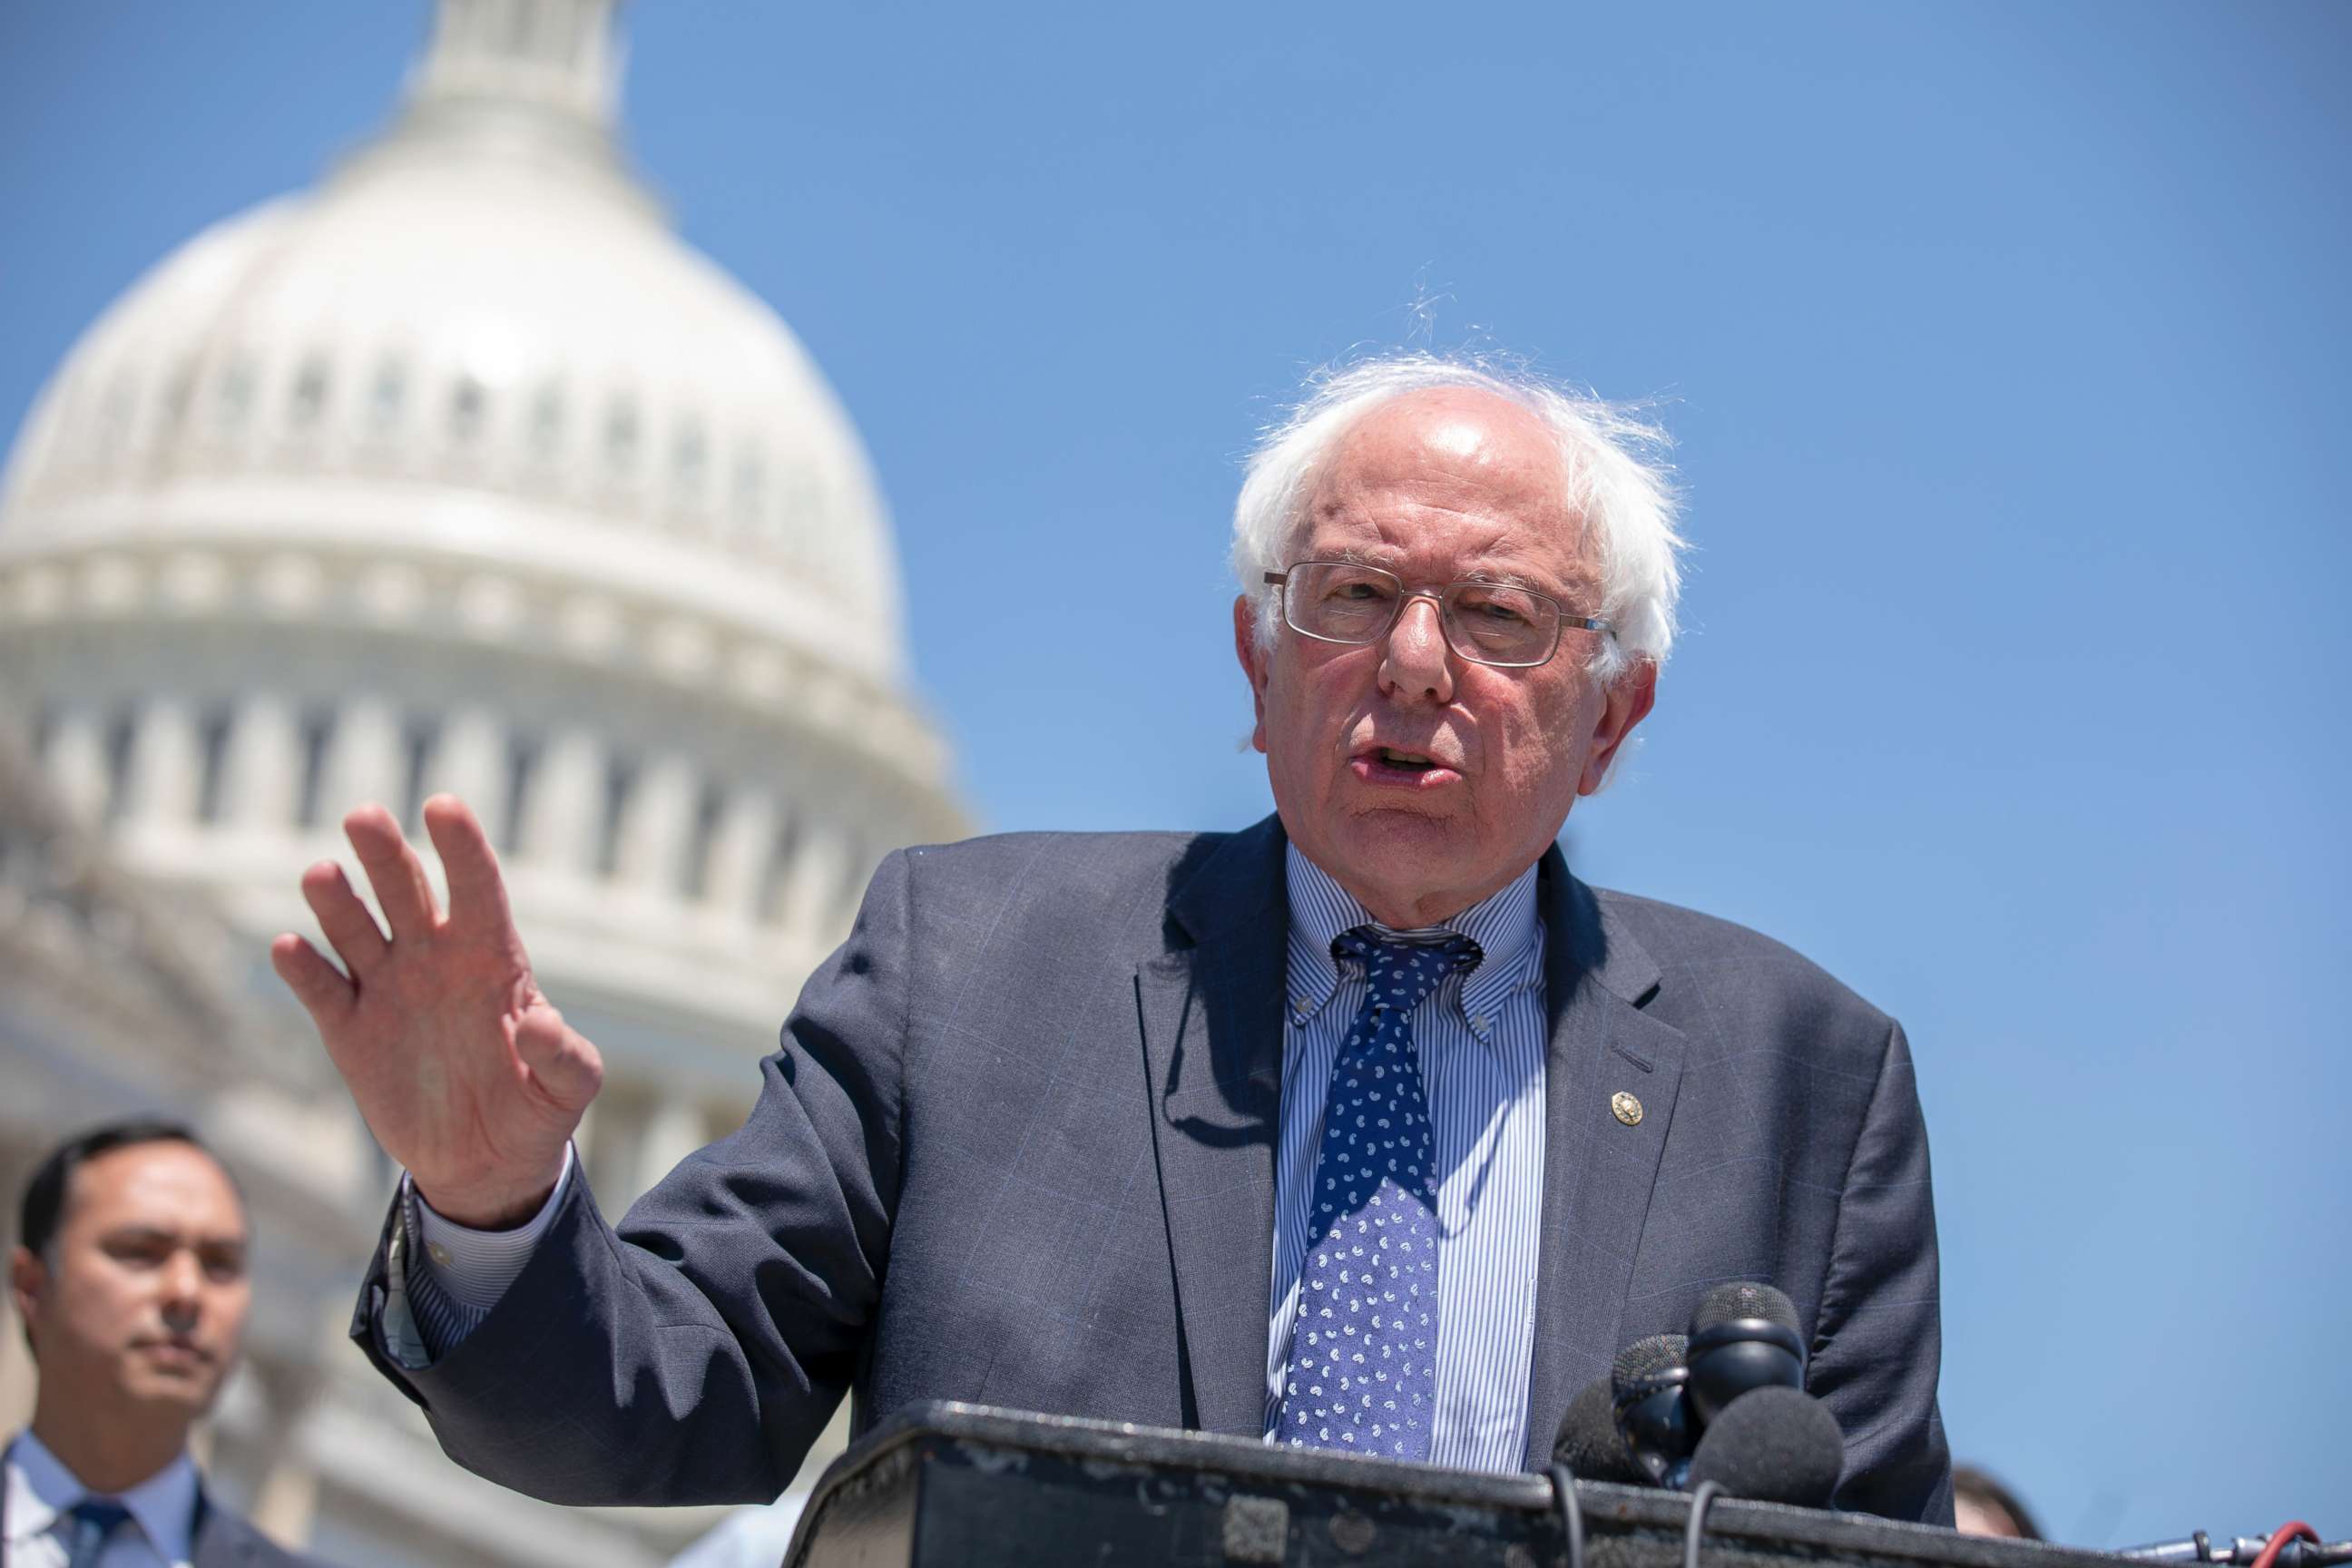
{"x": 693, "y": 1354}
{"x": 1878, "y": 1345}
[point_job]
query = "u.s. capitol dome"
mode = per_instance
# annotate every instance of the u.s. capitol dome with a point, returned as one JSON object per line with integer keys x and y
{"x": 459, "y": 471}
{"x": 462, "y": 471}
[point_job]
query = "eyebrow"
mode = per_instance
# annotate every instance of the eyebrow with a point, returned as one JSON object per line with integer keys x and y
{"x": 1386, "y": 560}
{"x": 137, "y": 1235}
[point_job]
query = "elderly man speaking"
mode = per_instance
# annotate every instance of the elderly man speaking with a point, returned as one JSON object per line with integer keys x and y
{"x": 1124, "y": 1125}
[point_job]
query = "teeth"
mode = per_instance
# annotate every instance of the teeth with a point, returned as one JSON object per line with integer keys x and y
{"x": 1412, "y": 758}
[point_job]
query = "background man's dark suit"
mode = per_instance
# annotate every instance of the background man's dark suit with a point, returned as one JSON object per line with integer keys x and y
{"x": 1018, "y": 1148}
{"x": 223, "y": 1540}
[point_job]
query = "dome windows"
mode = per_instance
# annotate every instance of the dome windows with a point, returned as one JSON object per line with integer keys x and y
{"x": 748, "y": 497}
{"x": 212, "y": 759}
{"x": 547, "y": 424}
{"x": 784, "y": 854}
{"x": 235, "y": 399}
{"x": 620, "y": 785}
{"x": 317, "y": 733}
{"x": 179, "y": 387}
{"x": 620, "y": 436}
{"x": 688, "y": 459}
{"x": 308, "y": 402}
{"x": 387, "y": 394}
{"x": 420, "y": 737}
{"x": 468, "y": 408}
{"x": 702, "y": 840}
{"x": 524, "y": 750}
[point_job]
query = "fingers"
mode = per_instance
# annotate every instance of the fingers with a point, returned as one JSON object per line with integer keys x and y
{"x": 567, "y": 1067}
{"x": 393, "y": 870}
{"x": 477, "y": 894}
{"x": 326, "y": 995}
{"x": 349, "y": 929}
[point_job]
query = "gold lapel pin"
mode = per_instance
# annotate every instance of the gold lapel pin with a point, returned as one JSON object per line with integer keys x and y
{"x": 1628, "y": 1108}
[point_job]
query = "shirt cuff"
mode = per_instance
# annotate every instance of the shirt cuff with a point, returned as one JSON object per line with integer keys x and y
{"x": 473, "y": 1268}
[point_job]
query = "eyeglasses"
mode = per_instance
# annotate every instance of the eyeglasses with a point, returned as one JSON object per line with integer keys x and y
{"x": 1486, "y": 623}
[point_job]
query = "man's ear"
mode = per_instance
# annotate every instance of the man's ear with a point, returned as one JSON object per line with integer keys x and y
{"x": 1253, "y": 659}
{"x": 1625, "y": 704}
{"x": 28, "y": 1281}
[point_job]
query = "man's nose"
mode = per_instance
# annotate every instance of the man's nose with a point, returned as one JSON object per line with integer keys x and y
{"x": 1417, "y": 662}
{"x": 182, "y": 1282}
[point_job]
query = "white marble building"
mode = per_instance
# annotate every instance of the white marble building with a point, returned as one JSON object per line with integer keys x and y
{"x": 459, "y": 471}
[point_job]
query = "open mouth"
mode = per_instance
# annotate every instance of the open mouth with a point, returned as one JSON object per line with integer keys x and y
{"x": 1394, "y": 764}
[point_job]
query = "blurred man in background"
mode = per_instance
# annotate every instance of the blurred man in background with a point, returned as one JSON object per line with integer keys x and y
{"x": 130, "y": 1273}
{"x": 1985, "y": 1506}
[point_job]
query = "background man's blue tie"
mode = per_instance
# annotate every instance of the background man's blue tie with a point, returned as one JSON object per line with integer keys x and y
{"x": 1363, "y": 1346}
{"x": 94, "y": 1520}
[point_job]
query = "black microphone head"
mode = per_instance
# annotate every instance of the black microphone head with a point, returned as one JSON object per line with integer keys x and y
{"x": 1744, "y": 1298}
{"x": 1644, "y": 1360}
{"x": 1653, "y": 1415}
{"x": 1774, "y": 1444}
{"x": 1588, "y": 1442}
{"x": 1743, "y": 1336}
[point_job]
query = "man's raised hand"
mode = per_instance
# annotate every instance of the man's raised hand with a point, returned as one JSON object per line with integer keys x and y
{"x": 465, "y": 1072}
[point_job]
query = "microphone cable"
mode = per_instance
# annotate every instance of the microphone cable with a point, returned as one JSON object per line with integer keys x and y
{"x": 1701, "y": 1495}
{"x": 1572, "y": 1512}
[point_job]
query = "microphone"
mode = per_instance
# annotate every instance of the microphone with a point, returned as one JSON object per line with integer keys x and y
{"x": 1652, "y": 1413}
{"x": 1743, "y": 1338}
{"x": 1588, "y": 1442}
{"x": 1772, "y": 1445}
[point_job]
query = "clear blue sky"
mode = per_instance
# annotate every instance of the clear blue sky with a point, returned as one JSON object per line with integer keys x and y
{"x": 2006, "y": 351}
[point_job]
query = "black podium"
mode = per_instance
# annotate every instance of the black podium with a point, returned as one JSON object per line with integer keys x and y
{"x": 964, "y": 1485}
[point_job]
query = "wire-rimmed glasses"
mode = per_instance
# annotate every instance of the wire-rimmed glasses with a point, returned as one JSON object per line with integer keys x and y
{"x": 1486, "y": 623}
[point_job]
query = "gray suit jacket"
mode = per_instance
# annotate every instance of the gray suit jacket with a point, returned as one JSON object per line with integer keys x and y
{"x": 1018, "y": 1148}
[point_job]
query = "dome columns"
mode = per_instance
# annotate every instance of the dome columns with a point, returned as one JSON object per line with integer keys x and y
{"x": 261, "y": 767}
{"x": 657, "y": 827}
{"x": 740, "y": 848}
{"x": 562, "y": 811}
{"x": 365, "y": 758}
{"x": 166, "y": 768}
{"x": 470, "y": 761}
{"x": 813, "y": 883}
{"x": 75, "y": 761}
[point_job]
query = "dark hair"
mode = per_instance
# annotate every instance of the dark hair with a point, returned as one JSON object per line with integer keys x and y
{"x": 45, "y": 1194}
{"x": 1969, "y": 1481}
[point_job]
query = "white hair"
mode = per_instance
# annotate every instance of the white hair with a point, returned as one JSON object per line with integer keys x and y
{"x": 1613, "y": 460}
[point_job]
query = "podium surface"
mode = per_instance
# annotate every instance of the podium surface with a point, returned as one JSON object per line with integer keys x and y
{"x": 960, "y": 1484}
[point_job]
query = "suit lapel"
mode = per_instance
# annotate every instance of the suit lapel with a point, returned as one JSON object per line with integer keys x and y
{"x": 1211, "y": 1013}
{"x": 225, "y": 1541}
{"x": 1598, "y": 1171}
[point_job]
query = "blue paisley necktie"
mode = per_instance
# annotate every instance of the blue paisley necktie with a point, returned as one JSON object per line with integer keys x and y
{"x": 1363, "y": 1346}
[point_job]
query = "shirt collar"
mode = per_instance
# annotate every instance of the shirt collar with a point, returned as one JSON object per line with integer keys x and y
{"x": 40, "y": 1487}
{"x": 1503, "y": 924}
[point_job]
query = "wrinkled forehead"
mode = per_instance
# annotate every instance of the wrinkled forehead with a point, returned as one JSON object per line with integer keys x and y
{"x": 1452, "y": 452}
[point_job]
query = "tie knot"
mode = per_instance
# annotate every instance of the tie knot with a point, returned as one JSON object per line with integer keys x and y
{"x": 94, "y": 1519}
{"x": 1402, "y": 973}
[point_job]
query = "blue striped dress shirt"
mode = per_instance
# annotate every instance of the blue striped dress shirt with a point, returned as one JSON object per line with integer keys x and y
{"x": 1480, "y": 1037}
